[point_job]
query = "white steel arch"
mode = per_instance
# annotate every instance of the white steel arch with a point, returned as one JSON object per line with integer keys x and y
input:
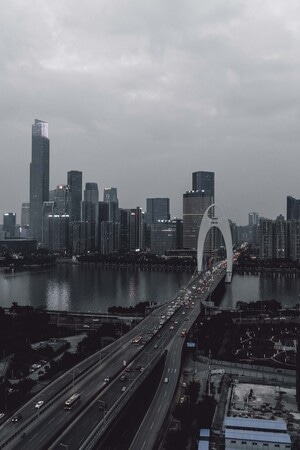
{"x": 222, "y": 224}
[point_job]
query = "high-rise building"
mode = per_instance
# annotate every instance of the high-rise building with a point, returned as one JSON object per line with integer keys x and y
{"x": 60, "y": 197}
{"x": 74, "y": 182}
{"x": 110, "y": 197}
{"x": 292, "y": 208}
{"x": 58, "y": 232}
{"x": 39, "y": 176}
{"x": 253, "y": 219}
{"x": 293, "y": 227}
{"x": 157, "y": 209}
{"x": 204, "y": 182}
{"x": 253, "y": 227}
{"x": 25, "y": 214}
{"x": 164, "y": 236}
{"x": 9, "y": 224}
{"x": 48, "y": 209}
{"x": 195, "y": 203}
{"x": 89, "y": 214}
{"x": 89, "y": 206}
{"x": 266, "y": 238}
{"x": 125, "y": 230}
{"x": 136, "y": 235}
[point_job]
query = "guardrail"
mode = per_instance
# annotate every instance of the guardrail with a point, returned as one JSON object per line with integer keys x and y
{"x": 113, "y": 412}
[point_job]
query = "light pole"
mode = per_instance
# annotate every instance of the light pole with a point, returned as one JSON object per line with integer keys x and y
{"x": 73, "y": 376}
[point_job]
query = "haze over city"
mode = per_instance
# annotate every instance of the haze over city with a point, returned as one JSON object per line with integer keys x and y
{"x": 138, "y": 95}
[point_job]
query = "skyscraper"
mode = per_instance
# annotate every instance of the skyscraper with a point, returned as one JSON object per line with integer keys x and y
{"x": 89, "y": 214}
{"x": 204, "y": 182}
{"x": 75, "y": 195}
{"x": 39, "y": 176}
{"x": 110, "y": 197}
{"x": 9, "y": 224}
{"x": 292, "y": 208}
{"x": 157, "y": 209}
{"x": 195, "y": 203}
{"x": 25, "y": 217}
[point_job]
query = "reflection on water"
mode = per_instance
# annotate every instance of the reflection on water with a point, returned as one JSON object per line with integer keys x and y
{"x": 75, "y": 288}
{"x": 58, "y": 295}
{"x": 251, "y": 288}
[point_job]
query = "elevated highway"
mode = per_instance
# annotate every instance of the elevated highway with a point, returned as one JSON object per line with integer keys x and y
{"x": 101, "y": 400}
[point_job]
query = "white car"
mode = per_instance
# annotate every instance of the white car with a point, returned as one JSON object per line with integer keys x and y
{"x": 166, "y": 380}
{"x": 39, "y": 404}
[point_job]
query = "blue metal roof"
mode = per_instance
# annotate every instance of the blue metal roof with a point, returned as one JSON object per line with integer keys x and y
{"x": 203, "y": 445}
{"x": 278, "y": 438}
{"x": 204, "y": 432}
{"x": 243, "y": 422}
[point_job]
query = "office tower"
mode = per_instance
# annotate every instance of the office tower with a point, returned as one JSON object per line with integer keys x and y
{"x": 110, "y": 197}
{"x": 39, "y": 176}
{"x": 266, "y": 238}
{"x": 48, "y": 209}
{"x": 89, "y": 206}
{"x": 195, "y": 203}
{"x": 60, "y": 197}
{"x": 164, "y": 236}
{"x": 58, "y": 233}
{"x": 25, "y": 214}
{"x": 89, "y": 214}
{"x": 253, "y": 227}
{"x": 78, "y": 237}
{"x": 253, "y": 219}
{"x": 204, "y": 182}
{"x": 136, "y": 235}
{"x": 292, "y": 208}
{"x": 157, "y": 209}
{"x": 124, "y": 230}
{"x": 9, "y": 224}
{"x": 293, "y": 227}
{"x": 74, "y": 182}
{"x": 280, "y": 238}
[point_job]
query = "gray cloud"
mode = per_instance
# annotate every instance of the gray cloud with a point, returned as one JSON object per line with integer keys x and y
{"x": 139, "y": 95}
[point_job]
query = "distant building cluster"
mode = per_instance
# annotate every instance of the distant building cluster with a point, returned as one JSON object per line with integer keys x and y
{"x": 73, "y": 220}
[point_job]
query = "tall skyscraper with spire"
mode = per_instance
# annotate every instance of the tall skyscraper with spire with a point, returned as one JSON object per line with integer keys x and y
{"x": 39, "y": 176}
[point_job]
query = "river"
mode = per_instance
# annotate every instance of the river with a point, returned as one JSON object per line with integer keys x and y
{"x": 76, "y": 288}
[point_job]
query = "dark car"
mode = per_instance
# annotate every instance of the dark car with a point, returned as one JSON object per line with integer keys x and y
{"x": 16, "y": 418}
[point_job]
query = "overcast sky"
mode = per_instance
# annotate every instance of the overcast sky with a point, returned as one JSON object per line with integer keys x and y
{"x": 139, "y": 94}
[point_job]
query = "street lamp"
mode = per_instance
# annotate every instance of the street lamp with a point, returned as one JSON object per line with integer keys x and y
{"x": 64, "y": 445}
{"x": 73, "y": 376}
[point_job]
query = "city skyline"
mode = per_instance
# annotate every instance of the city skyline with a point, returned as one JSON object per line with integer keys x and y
{"x": 139, "y": 96}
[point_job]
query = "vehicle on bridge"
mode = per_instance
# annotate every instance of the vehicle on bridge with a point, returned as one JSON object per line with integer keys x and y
{"x": 72, "y": 401}
{"x": 136, "y": 340}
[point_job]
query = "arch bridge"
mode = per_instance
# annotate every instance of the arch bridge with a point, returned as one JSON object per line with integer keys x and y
{"x": 221, "y": 222}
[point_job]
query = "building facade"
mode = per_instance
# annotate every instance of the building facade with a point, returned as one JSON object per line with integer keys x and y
{"x": 9, "y": 224}
{"x": 74, "y": 181}
{"x": 292, "y": 208}
{"x": 39, "y": 176}
{"x": 195, "y": 203}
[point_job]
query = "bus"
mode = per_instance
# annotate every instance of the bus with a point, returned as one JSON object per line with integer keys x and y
{"x": 72, "y": 401}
